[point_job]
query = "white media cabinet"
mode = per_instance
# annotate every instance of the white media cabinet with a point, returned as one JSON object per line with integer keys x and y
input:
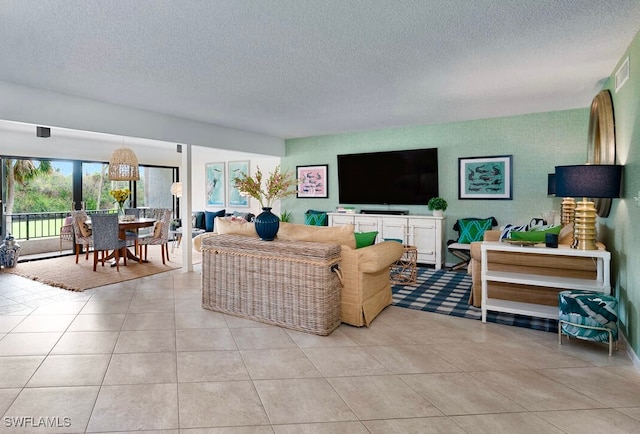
{"x": 424, "y": 232}
{"x": 602, "y": 283}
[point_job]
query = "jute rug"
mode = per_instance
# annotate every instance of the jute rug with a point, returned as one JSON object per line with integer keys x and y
{"x": 63, "y": 272}
{"x": 447, "y": 293}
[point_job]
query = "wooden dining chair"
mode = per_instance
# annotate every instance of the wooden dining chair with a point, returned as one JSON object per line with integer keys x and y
{"x": 106, "y": 237}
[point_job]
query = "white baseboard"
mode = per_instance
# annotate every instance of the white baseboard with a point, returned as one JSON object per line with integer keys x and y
{"x": 632, "y": 355}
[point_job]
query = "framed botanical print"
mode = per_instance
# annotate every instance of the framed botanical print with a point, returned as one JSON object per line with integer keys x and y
{"x": 214, "y": 175}
{"x": 485, "y": 177}
{"x": 312, "y": 181}
{"x": 237, "y": 169}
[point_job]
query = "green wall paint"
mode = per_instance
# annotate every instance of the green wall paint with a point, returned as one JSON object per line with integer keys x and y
{"x": 538, "y": 142}
{"x": 622, "y": 228}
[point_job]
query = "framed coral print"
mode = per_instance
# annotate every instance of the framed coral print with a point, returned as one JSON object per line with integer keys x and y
{"x": 312, "y": 181}
{"x": 485, "y": 177}
{"x": 214, "y": 173}
{"x": 237, "y": 169}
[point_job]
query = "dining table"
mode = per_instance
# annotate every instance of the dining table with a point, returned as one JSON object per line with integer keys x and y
{"x": 132, "y": 225}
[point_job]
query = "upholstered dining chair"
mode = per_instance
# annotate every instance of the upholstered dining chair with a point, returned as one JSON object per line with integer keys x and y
{"x": 160, "y": 235}
{"x": 106, "y": 237}
{"x": 132, "y": 235}
{"x": 66, "y": 231}
{"x": 82, "y": 233}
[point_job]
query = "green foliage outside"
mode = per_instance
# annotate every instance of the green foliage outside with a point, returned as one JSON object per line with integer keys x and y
{"x": 53, "y": 193}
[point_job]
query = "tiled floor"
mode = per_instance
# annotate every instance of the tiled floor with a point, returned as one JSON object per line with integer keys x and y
{"x": 144, "y": 355}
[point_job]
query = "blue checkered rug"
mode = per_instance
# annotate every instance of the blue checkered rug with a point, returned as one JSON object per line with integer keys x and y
{"x": 447, "y": 293}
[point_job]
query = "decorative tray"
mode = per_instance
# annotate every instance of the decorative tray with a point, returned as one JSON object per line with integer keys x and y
{"x": 522, "y": 242}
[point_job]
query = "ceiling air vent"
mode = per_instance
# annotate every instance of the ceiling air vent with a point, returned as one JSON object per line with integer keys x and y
{"x": 622, "y": 74}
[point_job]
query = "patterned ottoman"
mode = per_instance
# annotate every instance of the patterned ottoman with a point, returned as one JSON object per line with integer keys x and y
{"x": 588, "y": 315}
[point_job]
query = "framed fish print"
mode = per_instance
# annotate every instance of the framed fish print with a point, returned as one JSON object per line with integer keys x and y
{"x": 485, "y": 177}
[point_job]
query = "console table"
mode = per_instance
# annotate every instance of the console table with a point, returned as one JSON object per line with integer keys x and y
{"x": 602, "y": 282}
{"x": 424, "y": 232}
{"x": 291, "y": 284}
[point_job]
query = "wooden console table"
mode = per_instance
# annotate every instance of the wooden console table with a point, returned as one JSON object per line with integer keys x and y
{"x": 602, "y": 283}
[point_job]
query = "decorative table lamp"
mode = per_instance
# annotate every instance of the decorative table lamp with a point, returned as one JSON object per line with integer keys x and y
{"x": 568, "y": 206}
{"x": 587, "y": 181}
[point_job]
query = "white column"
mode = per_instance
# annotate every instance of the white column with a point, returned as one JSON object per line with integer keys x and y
{"x": 185, "y": 210}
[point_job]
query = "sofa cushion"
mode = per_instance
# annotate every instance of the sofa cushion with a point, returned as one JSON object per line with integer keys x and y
{"x": 245, "y": 215}
{"x": 198, "y": 219}
{"x": 365, "y": 239}
{"x": 235, "y": 226}
{"x": 342, "y": 235}
{"x": 473, "y": 229}
{"x": 209, "y": 219}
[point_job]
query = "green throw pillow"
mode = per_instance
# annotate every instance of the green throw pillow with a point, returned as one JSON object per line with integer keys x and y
{"x": 315, "y": 218}
{"x": 473, "y": 229}
{"x": 364, "y": 239}
{"x": 537, "y": 234}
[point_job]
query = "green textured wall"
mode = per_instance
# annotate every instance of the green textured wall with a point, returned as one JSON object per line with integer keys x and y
{"x": 538, "y": 142}
{"x": 623, "y": 225}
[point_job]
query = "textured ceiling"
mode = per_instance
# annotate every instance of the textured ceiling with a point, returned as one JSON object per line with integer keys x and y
{"x": 295, "y": 68}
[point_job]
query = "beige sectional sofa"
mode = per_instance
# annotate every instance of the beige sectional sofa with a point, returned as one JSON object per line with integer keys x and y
{"x": 526, "y": 263}
{"x": 364, "y": 272}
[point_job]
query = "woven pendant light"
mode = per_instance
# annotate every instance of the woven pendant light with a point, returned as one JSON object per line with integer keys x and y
{"x": 123, "y": 165}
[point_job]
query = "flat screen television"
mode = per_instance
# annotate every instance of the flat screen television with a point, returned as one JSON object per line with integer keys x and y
{"x": 407, "y": 177}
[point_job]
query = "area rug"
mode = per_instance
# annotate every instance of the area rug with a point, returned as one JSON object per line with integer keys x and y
{"x": 447, "y": 293}
{"x": 63, "y": 272}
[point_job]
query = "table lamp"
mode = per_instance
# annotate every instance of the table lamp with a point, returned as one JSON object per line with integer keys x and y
{"x": 587, "y": 181}
{"x": 568, "y": 206}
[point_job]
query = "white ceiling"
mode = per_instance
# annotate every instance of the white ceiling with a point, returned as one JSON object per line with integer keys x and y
{"x": 295, "y": 68}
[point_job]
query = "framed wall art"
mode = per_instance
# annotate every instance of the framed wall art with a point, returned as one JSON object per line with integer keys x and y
{"x": 237, "y": 169}
{"x": 485, "y": 177}
{"x": 313, "y": 181}
{"x": 214, "y": 176}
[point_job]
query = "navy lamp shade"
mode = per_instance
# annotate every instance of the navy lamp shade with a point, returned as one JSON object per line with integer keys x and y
{"x": 551, "y": 184}
{"x": 587, "y": 181}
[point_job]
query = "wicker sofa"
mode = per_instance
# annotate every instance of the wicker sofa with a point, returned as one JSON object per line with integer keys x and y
{"x": 525, "y": 263}
{"x": 366, "y": 289}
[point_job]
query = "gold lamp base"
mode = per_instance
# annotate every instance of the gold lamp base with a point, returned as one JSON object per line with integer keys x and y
{"x": 567, "y": 210}
{"x": 584, "y": 226}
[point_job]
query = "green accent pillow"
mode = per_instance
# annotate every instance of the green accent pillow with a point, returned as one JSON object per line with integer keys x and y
{"x": 316, "y": 218}
{"x": 473, "y": 229}
{"x": 364, "y": 239}
{"x": 537, "y": 234}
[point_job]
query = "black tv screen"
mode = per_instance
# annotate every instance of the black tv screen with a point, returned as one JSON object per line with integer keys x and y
{"x": 388, "y": 178}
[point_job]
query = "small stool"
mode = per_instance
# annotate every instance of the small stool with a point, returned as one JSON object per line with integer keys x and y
{"x": 405, "y": 270}
{"x": 588, "y": 315}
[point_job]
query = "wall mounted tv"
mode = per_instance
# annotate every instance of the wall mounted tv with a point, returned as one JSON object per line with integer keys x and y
{"x": 407, "y": 177}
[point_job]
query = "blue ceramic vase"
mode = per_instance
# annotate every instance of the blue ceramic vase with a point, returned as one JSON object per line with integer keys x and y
{"x": 267, "y": 224}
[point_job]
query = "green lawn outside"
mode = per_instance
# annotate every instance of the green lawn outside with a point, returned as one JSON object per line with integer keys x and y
{"x": 37, "y": 229}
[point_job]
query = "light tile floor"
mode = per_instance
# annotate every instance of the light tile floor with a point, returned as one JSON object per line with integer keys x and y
{"x": 144, "y": 356}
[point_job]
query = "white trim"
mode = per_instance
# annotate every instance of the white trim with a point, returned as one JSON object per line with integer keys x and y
{"x": 632, "y": 355}
{"x": 622, "y": 74}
